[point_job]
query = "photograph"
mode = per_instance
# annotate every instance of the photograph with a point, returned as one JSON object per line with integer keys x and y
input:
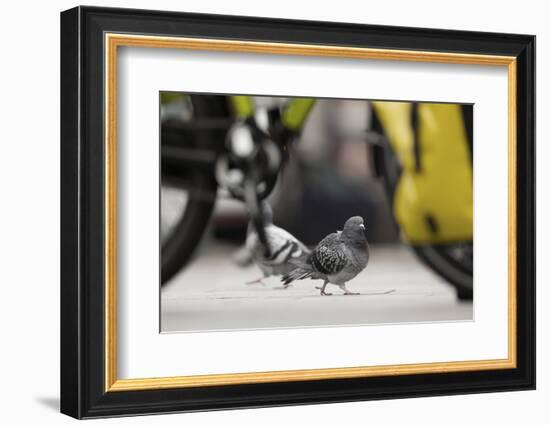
{"x": 291, "y": 212}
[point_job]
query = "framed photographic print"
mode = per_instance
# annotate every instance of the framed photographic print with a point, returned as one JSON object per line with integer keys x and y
{"x": 261, "y": 212}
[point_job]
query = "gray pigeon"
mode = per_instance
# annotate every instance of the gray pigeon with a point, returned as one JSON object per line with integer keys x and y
{"x": 337, "y": 259}
{"x": 284, "y": 248}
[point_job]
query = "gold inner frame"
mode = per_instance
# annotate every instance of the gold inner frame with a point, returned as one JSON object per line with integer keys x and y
{"x": 113, "y": 41}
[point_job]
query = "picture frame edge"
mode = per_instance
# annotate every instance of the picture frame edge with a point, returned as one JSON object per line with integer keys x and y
{"x": 83, "y": 394}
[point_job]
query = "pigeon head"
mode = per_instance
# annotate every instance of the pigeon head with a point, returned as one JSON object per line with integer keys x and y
{"x": 354, "y": 231}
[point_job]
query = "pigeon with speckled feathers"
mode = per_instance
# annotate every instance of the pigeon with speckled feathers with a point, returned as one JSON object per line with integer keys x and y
{"x": 337, "y": 259}
{"x": 284, "y": 248}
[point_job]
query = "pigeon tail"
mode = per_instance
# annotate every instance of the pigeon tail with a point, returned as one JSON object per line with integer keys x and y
{"x": 296, "y": 274}
{"x": 303, "y": 269}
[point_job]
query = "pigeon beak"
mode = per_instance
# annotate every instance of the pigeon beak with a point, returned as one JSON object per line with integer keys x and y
{"x": 364, "y": 229}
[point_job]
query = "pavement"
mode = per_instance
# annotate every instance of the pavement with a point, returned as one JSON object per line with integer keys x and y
{"x": 211, "y": 294}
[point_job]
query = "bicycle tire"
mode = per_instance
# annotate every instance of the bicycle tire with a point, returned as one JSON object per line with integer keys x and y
{"x": 181, "y": 244}
{"x": 435, "y": 257}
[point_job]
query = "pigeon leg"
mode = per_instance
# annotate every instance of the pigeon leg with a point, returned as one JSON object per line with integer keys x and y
{"x": 323, "y": 292}
{"x": 260, "y": 280}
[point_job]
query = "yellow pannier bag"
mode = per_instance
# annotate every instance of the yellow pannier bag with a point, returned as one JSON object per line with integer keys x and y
{"x": 433, "y": 199}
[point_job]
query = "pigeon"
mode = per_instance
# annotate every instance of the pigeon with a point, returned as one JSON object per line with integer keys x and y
{"x": 337, "y": 259}
{"x": 283, "y": 246}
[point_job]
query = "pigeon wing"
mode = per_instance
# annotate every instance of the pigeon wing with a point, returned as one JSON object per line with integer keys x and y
{"x": 328, "y": 257}
{"x": 283, "y": 245}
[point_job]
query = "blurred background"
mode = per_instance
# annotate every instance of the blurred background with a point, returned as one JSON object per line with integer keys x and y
{"x": 405, "y": 167}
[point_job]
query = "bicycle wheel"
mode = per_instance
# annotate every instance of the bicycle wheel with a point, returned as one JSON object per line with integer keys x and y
{"x": 192, "y": 135}
{"x": 453, "y": 262}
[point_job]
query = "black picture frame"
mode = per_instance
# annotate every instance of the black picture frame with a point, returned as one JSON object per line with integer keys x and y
{"x": 83, "y": 392}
